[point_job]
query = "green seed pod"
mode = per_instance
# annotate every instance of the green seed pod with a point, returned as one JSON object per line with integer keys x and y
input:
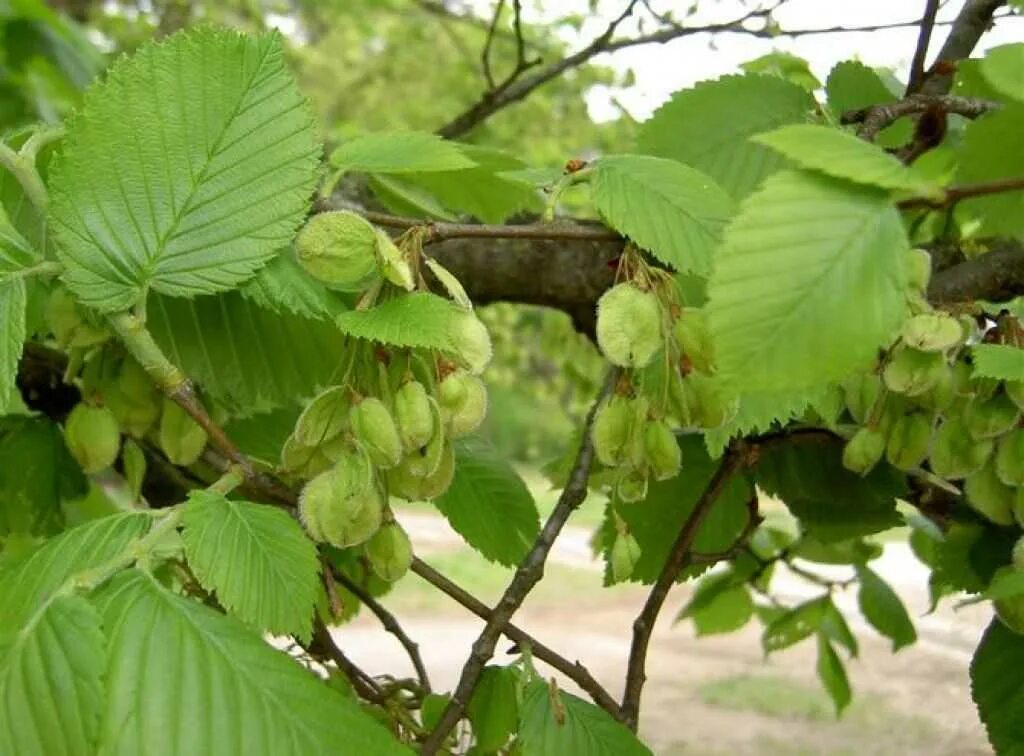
{"x": 375, "y": 429}
{"x": 135, "y": 383}
{"x": 92, "y": 437}
{"x": 452, "y": 391}
{"x": 68, "y": 324}
{"x": 635, "y": 452}
{"x": 181, "y": 439}
{"x": 424, "y": 461}
{"x": 339, "y": 248}
{"x": 343, "y": 505}
{"x": 1018, "y": 555}
{"x": 682, "y": 400}
{"x": 861, "y": 392}
{"x": 694, "y": 339}
{"x": 413, "y": 415}
{"x": 1010, "y": 458}
{"x": 389, "y": 552}
{"x": 864, "y": 450}
{"x": 625, "y": 553}
{"x": 712, "y": 407}
{"x": 918, "y": 264}
{"x": 134, "y": 417}
{"x": 474, "y": 343}
{"x": 909, "y": 439}
{"x": 955, "y": 454}
{"x": 393, "y": 264}
{"x": 467, "y": 416}
{"x": 941, "y": 395}
{"x": 632, "y": 486}
{"x": 1015, "y": 390}
{"x": 305, "y": 461}
{"x": 629, "y": 325}
{"x": 990, "y": 496}
{"x": 610, "y": 431}
{"x": 962, "y": 384}
{"x": 406, "y": 482}
{"x": 438, "y": 481}
{"x": 663, "y": 454}
{"x": 324, "y": 418}
{"x": 988, "y": 418}
{"x": 932, "y": 332}
{"x": 912, "y": 372}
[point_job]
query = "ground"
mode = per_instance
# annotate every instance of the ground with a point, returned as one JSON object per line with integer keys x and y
{"x": 707, "y": 696}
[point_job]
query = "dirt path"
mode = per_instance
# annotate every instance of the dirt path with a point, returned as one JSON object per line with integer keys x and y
{"x": 718, "y": 695}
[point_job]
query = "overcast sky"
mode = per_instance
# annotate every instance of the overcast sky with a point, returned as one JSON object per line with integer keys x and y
{"x": 663, "y": 69}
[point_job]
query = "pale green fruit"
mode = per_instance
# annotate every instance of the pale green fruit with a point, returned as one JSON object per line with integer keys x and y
{"x": 134, "y": 417}
{"x": 424, "y": 461}
{"x": 343, "y": 505}
{"x": 1010, "y": 610}
{"x": 625, "y": 553}
{"x": 864, "y": 450}
{"x": 988, "y": 418}
{"x": 473, "y": 350}
{"x": 393, "y": 264}
{"x": 465, "y": 416}
{"x": 324, "y": 418}
{"x": 635, "y": 451}
{"x": 339, "y": 248}
{"x": 1010, "y": 458}
{"x": 861, "y": 392}
{"x": 941, "y": 395}
{"x": 663, "y": 455}
{"x": 1015, "y": 390}
{"x": 375, "y": 429}
{"x": 909, "y": 439}
{"x": 1018, "y": 555}
{"x": 955, "y": 454}
{"x": 135, "y": 384}
{"x": 962, "y": 384}
{"x": 918, "y": 264}
{"x": 712, "y": 407}
{"x": 180, "y": 437}
{"x": 990, "y": 496}
{"x": 92, "y": 437}
{"x": 413, "y": 415}
{"x": 632, "y": 486}
{"x": 682, "y": 400}
{"x": 404, "y": 483}
{"x": 67, "y": 323}
{"x": 304, "y": 461}
{"x": 694, "y": 339}
{"x": 452, "y": 391}
{"x": 629, "y": 326}
{"x": 912, "y": 372}
{"x": 389, "y": 552}
{"x": 932, "y": 332}
{"x": 610, "y": 431}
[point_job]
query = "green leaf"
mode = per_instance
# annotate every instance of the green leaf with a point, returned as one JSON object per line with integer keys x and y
{"x": 758, "y": 412}
{"x": 1002, "y": 67}
{"x": 400, "y": 152}
{"x": 488, "y": 504}
{"x": 420, "y": 320}
{"x": 883, "y": 609}
{"x": 984, "y": 157}
{"x": 493, "y": 710}
{"x": 852, "y": 86}
{"x": 256, "y": 558}
{"x": 793, "y": 279}
{"x": 12, "y": 338}
{"x": 1005, "y": 584}
{"x": 262, "y": 436}
{"x": 721, "y": 604}
{"x": 835, "y": 628}
{"x": 1000, "y": 361}
{"x": 795, "y": 625}
{"x": 842, "y": 155}
{"x": 709, "y": 127}
{"x": 37, "y": 474}
{"x": 247, "y": 358}
{"x": 212, "y": 685}
{"x": 831, "y": 502}
{"x": 673, "y": 211}
{"x": 833, "y": 675}
{"x": 403, "y": 198}
{"x": 51, "y": 687}
{"x": 29, "y": 584}
{"x": 190, "y": 199}
{"x": 785, "y": 65}
{"x": 998, "y": 689}
{"x": 571, "y": 727}
{"x": 15, "y": 250}
{"x": 284, "y": 287}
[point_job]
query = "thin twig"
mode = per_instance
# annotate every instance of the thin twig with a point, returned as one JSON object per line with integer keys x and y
{"x": 323, "y": 645}
{"x": 573, "y": 670}
{"x": 712, "y": 557}
{"x": 390, "y": 624}
{"x": 485, "y": 55}
{"x": 529, "y": 572}
{"x": 875, "y": 118}
{"x": 917, "y": 74}
{"x": 953, "y": 194}
{"x": 643, "y": 626}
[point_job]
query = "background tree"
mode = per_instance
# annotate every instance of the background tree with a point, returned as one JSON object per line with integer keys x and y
{"x": 238, "y": 273}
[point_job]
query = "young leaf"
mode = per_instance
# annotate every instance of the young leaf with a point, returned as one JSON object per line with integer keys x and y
{"x": 835, "y": 628}
{"x": 493, "y": 710}
{"x": 837, "y": 153}
{"x": 999, "y": 361}
{"x": 400, "y": 152}
{"x": 488, "y": 504}
{"x": 833, "y": 675}
{"x": 852, "y": 86}
{"x": 284, "y": 287}
{"x": 709, "y": 127}
{"x": 809, "y": 282}
{"x": 570, "y": 726}
{"x": 984, "y": 157}
{"x": 211, "y": 685}
{"x": 190, "y": 199}
{"x": 1002, "y": 67}
{"x": 795, "y": 625}
{"x": 51, "y": 687}
{"x": 720, "y": 604}
{"x": 256, "y": 558}
{"x": 998, "y": 689}
{"x": 883, "y": 609}
{"x": 420, "y": 320}
{"x": 671, "y": 210}
{"x": 15, "y": 250}
{"x": 12, "y": 337}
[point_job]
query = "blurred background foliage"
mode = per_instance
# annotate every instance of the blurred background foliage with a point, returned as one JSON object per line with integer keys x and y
{"x": 375, "y": 65}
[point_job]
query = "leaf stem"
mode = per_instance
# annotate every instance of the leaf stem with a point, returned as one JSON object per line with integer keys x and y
{"x": 23, "y": 167}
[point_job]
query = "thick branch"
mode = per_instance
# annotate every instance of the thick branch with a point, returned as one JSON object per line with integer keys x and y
{"x": 643, "y": 626}
{"x": 997, "y": 275}
{"x": 877, "y": 117}
{"x": 529, "y": 572}
{"x": 973, "y": 21}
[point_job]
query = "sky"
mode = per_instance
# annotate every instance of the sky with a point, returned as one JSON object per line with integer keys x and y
{"x": 660, "y": 70}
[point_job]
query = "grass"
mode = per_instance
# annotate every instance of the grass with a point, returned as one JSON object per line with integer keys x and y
{"x": 774, "y": 697}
